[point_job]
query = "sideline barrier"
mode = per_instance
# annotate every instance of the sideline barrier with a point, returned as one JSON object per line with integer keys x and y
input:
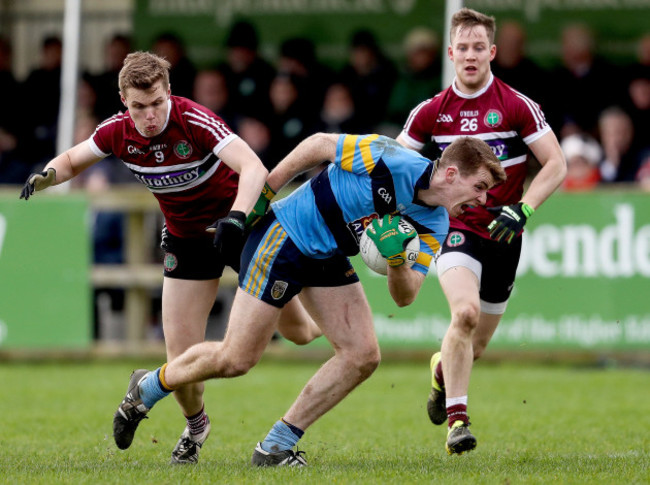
{"x": 45, "y": 298}
{"x": 583, "y": 284}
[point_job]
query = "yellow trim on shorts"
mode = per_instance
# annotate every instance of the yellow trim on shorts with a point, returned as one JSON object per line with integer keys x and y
{"x": 265, "y": 253}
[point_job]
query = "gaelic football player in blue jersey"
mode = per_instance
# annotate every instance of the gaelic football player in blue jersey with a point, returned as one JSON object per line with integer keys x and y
{"x": 301, "y": 246}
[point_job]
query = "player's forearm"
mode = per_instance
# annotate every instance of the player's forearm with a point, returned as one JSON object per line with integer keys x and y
{"x": 404, "y": 284}
{"x": 63, "y": 166}
{"x": 251, "y": 181}
{"x": 309, "y": 153}
{"x": 547, "y": 180}
{"x": 72, "y": 162}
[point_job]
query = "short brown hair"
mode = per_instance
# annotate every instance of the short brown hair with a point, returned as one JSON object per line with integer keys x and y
{"x": 470, "y": 154}
{"x": 468, "y": 18}
{"x": 141, "y": 70}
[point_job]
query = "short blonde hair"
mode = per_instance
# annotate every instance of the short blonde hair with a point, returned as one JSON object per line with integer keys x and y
{"x": 470, "y": 154}
{"x": 141, "y": 70}
{"x": 468, "y": 18}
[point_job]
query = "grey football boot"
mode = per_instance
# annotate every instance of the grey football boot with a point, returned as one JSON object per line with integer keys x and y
{"x": 130, "y": 412}
{"x": 279, "y": 458}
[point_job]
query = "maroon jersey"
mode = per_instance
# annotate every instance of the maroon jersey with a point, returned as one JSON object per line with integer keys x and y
{"x": 180, "y": 166}
{"x": 504, "y": 118}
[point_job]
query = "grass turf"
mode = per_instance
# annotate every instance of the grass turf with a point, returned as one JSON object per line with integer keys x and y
{"x": 534, "y": 424}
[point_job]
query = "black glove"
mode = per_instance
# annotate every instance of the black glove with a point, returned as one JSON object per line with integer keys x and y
{"x": 38, "y": 181}
{"x": 229, "y": 237}
{"x": 509, "y": 221}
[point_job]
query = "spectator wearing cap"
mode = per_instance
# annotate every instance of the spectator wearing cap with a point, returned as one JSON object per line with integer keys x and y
{"x": 248, "y": 75}
{"x": 420, "y": 76}
{"x": 370, "y": 77}
{"x": 583, "y": 155}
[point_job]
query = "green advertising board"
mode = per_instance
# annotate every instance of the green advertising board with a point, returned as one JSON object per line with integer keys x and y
{"x": 45, "y": 299}
{"x": 204, "y": 24}
{"x": 583, "y": 282}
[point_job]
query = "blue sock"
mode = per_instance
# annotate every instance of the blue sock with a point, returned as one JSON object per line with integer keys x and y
{"x": 283, "y": 436}
{"x": 151, "y": 389}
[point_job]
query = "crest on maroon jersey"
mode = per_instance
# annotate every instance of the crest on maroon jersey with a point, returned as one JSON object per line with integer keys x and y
{"x": 182, "y": 149}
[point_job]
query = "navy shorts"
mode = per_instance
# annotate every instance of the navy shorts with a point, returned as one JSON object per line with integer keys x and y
{"x": 274, "y": 270}
{"x": 190, "y": 258}
{"x": 494, "y": 263}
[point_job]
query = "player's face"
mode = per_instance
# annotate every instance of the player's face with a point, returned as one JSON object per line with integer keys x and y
{"x": 470, "y": 191}
{"x": 471, "y": 53}
{"x": 148, "y": 108}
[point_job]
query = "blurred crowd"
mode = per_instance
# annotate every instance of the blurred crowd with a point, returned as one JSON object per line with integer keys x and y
{"x": 599, "y": 110}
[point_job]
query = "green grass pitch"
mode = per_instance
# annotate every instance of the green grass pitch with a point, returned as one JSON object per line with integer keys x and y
{"x": 534, "y": 424}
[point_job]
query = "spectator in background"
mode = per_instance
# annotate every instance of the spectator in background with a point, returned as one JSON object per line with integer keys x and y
{"x": 248, "y": 75}
{"x": 579, "y": 92}
{"x": 8, "y": 86}
{"x": 115, "y": 51}
{"x": 291, "y": 119}
{"x": 256, "y": 132}
{"x": 643, "y": 174}
{"x": 87, "y": 97}
{"x": 583, "y": 155}
{"x": 370, "y": 76}
{"x": 183, "y": 72}
{"x": 338, "y": 113}
{"x": 419, "y": 78}
{"x": 211, "y": 90}
{"x": 513, "y": 66}
{"x": 621, "y": 161}
{"x": 43, "y": 87}
{"x": 298, "y": 59}
{"x": 638, "y": 92}
{"x": 13, "y": 168}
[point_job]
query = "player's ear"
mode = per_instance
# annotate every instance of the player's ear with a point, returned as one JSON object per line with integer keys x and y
{"x": 451, "y": 173}
{"x": 123, "y": 99}
{"x": 493, "y": 52}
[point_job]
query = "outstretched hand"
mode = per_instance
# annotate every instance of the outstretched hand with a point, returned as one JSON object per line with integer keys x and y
{"x": 38, "y": 181}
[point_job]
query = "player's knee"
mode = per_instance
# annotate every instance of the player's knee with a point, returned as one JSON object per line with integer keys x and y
{"x": 239, "y": 367}
{"x": 466, "y": 317}
{"x": 366, "y": 362}
{"x": 234, "y": 365}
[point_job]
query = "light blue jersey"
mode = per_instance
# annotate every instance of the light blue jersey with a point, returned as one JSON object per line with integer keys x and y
{"x": 371, "y": 176}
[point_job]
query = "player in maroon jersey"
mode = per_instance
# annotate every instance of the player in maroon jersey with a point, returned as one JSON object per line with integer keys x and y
{"x": 199, "y": 171}
{"x": 484, "y": 243}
